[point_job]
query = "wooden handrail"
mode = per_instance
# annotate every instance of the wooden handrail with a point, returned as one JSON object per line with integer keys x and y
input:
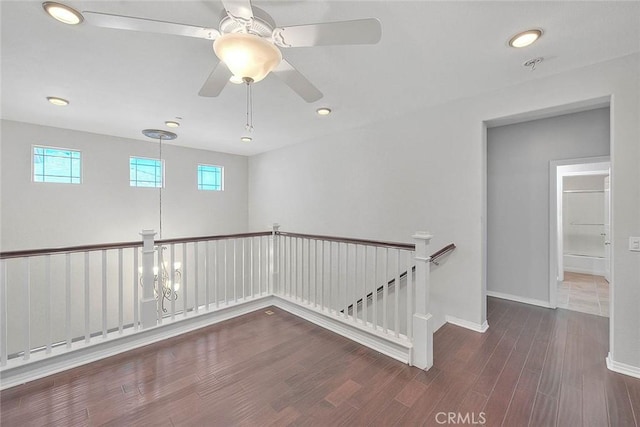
{"x": 434, "y": 257}
{"x": 394, "y": 245}
{"x": 122, "y": 245}
{"x": 206, "y": 238}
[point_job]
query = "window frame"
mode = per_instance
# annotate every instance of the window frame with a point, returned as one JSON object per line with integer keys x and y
{"x": 201, "y": 186}
{"x": 162, "y": 173}
{"x": 44, "y": 176}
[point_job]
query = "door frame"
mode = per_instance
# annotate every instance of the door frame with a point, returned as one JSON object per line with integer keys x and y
{"x": 557, "y": 170}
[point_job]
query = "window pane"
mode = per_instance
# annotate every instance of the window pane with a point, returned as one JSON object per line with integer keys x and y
{"x": 56, "y": 165}
{"x": 209, "y": 177}
{"x": 145, "y": 172}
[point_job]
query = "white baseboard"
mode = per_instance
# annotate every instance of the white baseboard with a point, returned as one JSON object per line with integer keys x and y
{"x": 516, "y": 298}
{"x": 477, "y": 327}
{"x": 398, "y": 349}
{"x": 622, "y": 368}
{"x": 42, "y": 365}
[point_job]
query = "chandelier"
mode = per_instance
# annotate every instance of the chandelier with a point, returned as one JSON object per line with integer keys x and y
{"x": 165, "y": 285}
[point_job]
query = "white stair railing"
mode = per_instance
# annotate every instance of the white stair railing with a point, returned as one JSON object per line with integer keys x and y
{"x": 58, "y": 300}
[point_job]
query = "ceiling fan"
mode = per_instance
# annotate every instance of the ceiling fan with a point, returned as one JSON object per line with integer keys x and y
{"x": 248, "y": 43}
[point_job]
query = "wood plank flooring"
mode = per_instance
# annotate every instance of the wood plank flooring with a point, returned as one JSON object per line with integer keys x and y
{"x": 533, "y": 367}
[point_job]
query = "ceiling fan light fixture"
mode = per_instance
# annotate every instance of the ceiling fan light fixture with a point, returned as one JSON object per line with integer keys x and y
{"x": 63, "y": 13}
{"x": 323, "y": 111}
{"x": 60, "y": 102}
{"x": 246, "y": 139}
{"x": 247, "y": 55}
{"x": 525, "y": 38}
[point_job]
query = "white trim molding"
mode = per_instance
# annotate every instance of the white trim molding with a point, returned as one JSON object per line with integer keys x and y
{"x": 476, "y": 327}
{"x": 516, "y": 298}
{"x": 395, "y": 348}
{"x": 622, "y": 368}
{"x": 81, "y": 354}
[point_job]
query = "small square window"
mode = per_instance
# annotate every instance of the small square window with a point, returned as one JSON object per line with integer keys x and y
{"x": 210, "y": 177}
{"x": 56, "y": 165}
{"x": 145, "y": 172}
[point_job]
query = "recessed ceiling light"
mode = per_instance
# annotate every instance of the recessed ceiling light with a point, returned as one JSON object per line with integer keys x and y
{"x": 172, "y": 123}
{"x": 246, "y": 139}
{"x": 57, "y": 101}
{"x": 236, "y": 80}
{"x": 323, "y": 111}
{"x": 62, "y": 13}
{"x": 525, "y": 38}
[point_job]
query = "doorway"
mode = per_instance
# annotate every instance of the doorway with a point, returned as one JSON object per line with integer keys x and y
{"x": 580, "y": 235}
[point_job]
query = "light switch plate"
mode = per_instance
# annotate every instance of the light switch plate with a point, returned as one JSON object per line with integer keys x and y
{"x": 634, "y": 244}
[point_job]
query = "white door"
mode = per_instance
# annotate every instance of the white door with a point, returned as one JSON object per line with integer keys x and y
{"x": 607, "y": 229}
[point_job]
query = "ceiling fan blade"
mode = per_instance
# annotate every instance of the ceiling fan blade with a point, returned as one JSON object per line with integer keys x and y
{"x": 148, "y": 25}
{"x": 240, "y": 10}
{"x": 216, "y": 81}
{"x": 360, "y": 31}
{"x": 296, "y": 81}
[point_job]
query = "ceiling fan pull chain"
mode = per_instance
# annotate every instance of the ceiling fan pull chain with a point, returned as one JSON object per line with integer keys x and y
{"x": 249, "y": 125}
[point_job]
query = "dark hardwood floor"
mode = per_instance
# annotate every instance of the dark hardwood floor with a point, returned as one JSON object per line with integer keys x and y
{"x": 533, "y": 366}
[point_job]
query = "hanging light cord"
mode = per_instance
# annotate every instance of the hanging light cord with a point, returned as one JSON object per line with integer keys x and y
{"x": 249, "y": 125}
{"x": 161, "y": 185}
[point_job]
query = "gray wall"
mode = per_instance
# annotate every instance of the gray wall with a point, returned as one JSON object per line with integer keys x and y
{"x": 104, "y": 208}
{"x": 518, "y": 159}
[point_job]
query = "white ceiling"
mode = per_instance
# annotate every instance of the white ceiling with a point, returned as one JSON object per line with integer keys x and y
{"x": 120, "y": 82}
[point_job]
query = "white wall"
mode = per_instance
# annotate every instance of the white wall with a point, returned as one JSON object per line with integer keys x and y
{"x": 427, "y": 171}
{"x": 518, "y": 157}
{"x": 104, "y": 208}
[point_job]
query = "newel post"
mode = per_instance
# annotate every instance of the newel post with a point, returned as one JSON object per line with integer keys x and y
{"x": 148, "y": 303}
{"x": 422, "y": 322}
{"x": 275, "y": 259}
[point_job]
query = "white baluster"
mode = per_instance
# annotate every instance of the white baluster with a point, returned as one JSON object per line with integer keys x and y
{"x": 87, "y": 298}
{"x": 226, "y": 299}
{"x": 329, "y": 304}
{"x": 410, "y": 300}
{"x": 49, "y": 301}
{"x": 385, "y": 288}
{"x": 27, "y": 309}
{"x": 207, "y": 275}
{"x": 396, "y": 296}
{"x": 376, "y": 282}
{"x": 104, "y": 293}
{"x": 215, "y": 271}
{"x": 260, "y": 240}
{"x": 136, "y": 285}
{"x": 252, "y": 242}
{"x": 195, "y": 275}
{"x": 67, "y": 292}
{"x": 365, "y": 288}
{"x": 120, "y": 293}
{"x": 274, "y": 262}
{"x": 3, "y": 312}
{"x": 172, "y": 260}
{"x": 185, "y": 281}
{"x": 244, "y": 269}
{"x": 235, "y": 271}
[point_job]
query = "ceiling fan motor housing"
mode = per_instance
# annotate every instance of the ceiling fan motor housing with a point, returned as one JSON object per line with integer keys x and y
{"x": 261, "y": 25}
